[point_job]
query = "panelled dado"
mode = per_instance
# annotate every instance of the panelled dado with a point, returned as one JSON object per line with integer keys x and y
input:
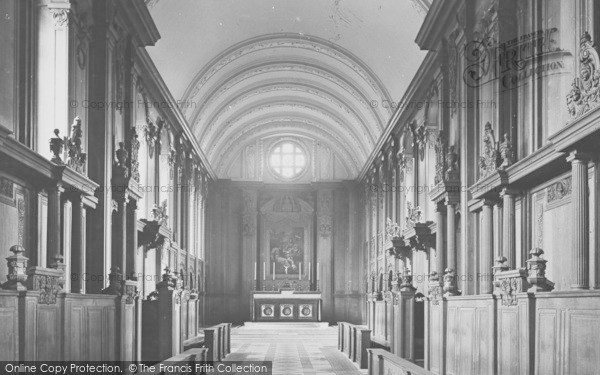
{"x": 103, "y": 188}
{"x": 494, "y": 203}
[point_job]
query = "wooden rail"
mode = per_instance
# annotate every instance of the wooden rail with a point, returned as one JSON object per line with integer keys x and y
{"x": 382, "y": 362}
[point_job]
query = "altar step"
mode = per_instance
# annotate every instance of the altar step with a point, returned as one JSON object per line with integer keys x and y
{"x": 285, "y": 325}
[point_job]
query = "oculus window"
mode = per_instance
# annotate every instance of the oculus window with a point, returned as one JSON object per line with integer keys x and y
{"x": 287, "y": 160}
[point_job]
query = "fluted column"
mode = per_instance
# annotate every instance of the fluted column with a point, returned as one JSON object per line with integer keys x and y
{"x": 509, "y": 248}
{"x": 580, "y": 218}
{"x": 119, "y": 252}
{"x": 498, "y": 222}
{"x": 78, "y": 247}
{"x": 487, "y": 248}
{"x": 54, "y": 230}
{"x": 451, "y": 235}
{"x": 440, "y": 239}
{"x": 132, "y": 242}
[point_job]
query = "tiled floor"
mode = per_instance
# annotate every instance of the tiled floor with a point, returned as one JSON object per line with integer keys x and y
{"x": 295, "y": 348}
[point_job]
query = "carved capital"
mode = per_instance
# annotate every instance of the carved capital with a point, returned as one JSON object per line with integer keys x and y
{"x": 61, "y": 17}
{"x": 508, "y": 283}
{"x": 49, "y": 282}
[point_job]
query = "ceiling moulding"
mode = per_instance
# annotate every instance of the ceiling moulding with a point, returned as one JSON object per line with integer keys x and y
{"x": 375, "y": 125}
{"x": 339, "y": 123}
{"x": 302, "y": 88}
{"x": 287, "y": 108}
{"x": 279, "y": 40}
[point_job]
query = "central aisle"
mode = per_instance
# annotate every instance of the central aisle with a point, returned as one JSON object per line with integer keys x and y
{"x": 294, "y": 348}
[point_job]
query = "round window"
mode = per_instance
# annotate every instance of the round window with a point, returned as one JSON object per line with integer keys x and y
{"x": 287, "y": 160}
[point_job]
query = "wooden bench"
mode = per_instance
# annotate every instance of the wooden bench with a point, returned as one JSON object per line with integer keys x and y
{"x": 353, "y": 340}
{"x": 218, "y": 341}
{"x": 194, "y": 342}
{"x": 189, "y": 357}
{"x": 382, "y": 362}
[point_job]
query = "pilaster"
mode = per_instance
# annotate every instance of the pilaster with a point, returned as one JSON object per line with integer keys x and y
{"x": 580, "y": 219}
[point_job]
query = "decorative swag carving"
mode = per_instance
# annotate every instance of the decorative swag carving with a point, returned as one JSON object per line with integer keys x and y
{"x": 496, "y": 155}
{"x": 584, "y": 94}
{"x": 559, "y": 190}
{"x": 446, "y": 161}
{"x": 75, "y": 158}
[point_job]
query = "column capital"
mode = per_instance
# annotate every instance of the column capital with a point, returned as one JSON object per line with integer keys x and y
{"x": 508, "y": 192}
{"x": 440, "y": 206}
{"x": 578, "y": 156}
{"x": 477, "y": 205}
{"x": 451, "y": 202}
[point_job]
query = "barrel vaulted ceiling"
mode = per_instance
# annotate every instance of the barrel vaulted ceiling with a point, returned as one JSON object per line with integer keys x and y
{"x": 324, "y": 70}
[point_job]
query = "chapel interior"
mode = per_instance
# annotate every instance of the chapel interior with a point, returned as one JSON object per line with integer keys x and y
{"x": 340, "y": 186}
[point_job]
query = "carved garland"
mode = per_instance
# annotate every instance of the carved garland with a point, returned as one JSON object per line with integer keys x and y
{"x": 559, "y": 190}
{"x": 585, "y": 94}
{"x": 496, "y": 156}
{"x": 76, "y": 158}
{"x": 134, "y": 150}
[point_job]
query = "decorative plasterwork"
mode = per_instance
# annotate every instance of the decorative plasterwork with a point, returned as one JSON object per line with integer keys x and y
{"x": 309, "y": 77}
{"x": 276, "y": 41}
{"x": 282, "y": 108}
{"x": 313, "y": 75}
{"x": 325, "y": 100}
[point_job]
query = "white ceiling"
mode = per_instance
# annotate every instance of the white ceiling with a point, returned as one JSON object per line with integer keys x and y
{"x": 243, "y": 63}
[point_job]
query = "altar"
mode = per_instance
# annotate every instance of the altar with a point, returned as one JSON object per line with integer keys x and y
{"x": 286, "y": 306}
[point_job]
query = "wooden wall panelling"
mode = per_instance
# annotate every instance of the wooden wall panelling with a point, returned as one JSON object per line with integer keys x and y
{"x": 89, "y": 327}
{"x": 250, "y": 263}
{"x": 341, "y": 253}
{"x": 324, "y": 251}
{"x": 566, "y": 328}
{"x": 9, "y": 325}
{"x": 513, "y": 336}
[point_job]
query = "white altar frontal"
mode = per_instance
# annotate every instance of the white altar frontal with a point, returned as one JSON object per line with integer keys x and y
{"x": 286, "y": 306}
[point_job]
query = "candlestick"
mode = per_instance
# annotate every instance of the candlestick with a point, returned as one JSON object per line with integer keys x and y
{"x": 254, "y": 271}
{"x": 264, "y": 271}
{"x": 273, "y": 271}
{"x": 300, "y": 271}
{"x": 318, "y": 268}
